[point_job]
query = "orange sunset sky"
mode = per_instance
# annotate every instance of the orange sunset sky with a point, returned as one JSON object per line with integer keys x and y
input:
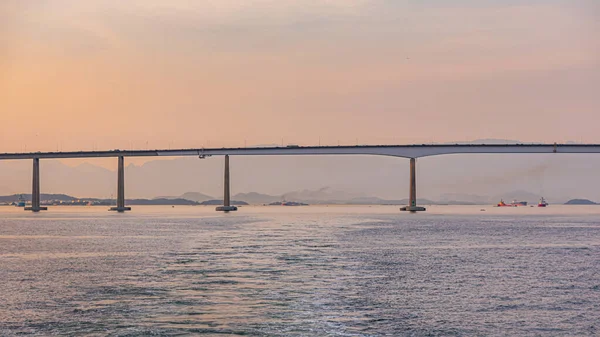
{"x": 81, "y": 75}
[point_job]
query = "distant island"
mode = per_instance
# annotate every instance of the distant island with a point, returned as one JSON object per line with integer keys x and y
{"x": 580, "y": 202}
{"x": 325, "y": 196}
{"x": 287, "y": 203}
{"x": 67, "y": 200}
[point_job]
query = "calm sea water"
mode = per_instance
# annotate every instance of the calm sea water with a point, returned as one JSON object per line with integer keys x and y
{"x": 301, "y": 271}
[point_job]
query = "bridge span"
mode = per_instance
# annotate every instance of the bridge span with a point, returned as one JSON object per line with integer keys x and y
{"x": 405, "y": 151}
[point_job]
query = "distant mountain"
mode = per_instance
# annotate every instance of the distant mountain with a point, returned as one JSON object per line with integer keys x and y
{"x": 254, "y": 198}
{"x": 321, "y": 196}
{"x": 464, "y": 198}
{"x": 195, "y": 196}
{"x": 220, "y": 202}
{"x": 580, "y": 202}
{"x": 161, "y": 202}
{"x": 250, "y": 198}
{"x": 328, "y": 195}
{"x": 374, "y": 201}
{"x": 43, "y": 197}
{"x": 325, "y": 194}
{"x": 379, "y": 201}
{"x": 420, "y": 201}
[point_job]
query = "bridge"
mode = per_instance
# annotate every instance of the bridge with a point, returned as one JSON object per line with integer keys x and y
{"x": 404, "y": 151}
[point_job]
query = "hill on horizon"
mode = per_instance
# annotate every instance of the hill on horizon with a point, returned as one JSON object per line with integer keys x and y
{"x": 581, "y": 202}
{"x": 323, "y": 195}
{"x": 196, "y": 196}
{"x": 43, "y": 197}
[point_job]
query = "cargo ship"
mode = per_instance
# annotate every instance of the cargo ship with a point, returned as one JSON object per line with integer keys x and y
{"x": 512, "y": 204}
{"x": 503, "y": 204}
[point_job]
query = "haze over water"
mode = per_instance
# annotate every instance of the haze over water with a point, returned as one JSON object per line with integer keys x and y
{"x": 318, "y": 271}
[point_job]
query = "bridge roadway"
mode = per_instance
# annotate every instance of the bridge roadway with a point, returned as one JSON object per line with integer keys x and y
{"x": 406, "y": 151}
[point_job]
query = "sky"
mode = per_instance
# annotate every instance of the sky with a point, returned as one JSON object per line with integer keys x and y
{"x": 109, "y": 74}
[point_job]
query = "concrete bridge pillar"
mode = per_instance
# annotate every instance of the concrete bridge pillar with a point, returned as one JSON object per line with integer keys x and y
{"x": 35, "y": 191}
{"x": 412, "y": 199}
{"x": 227, "y": 191}
{"x": 121, "y": 188}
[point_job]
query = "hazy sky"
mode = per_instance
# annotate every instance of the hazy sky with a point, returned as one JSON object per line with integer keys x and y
{"x": 120, "y": 74}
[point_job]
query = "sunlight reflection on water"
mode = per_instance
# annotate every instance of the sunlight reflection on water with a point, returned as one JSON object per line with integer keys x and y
{"x": 339, "y": 270}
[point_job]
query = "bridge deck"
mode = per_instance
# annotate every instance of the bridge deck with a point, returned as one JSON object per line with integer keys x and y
{"x": 406, "y": 151}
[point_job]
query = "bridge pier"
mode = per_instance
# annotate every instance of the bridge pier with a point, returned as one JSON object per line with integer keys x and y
{"x": 227, "y": 191}
{"x": 412, "y": 200}
{"x": 35, "y": 191}
{"x": 121, "y": 188}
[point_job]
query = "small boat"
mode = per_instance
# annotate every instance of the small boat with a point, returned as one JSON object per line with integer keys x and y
{"x": 20, "y": 202}
{"x": 542, "y": 203}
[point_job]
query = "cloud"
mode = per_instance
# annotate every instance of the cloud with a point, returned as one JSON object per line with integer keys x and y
{"x": 306, "y": 68}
